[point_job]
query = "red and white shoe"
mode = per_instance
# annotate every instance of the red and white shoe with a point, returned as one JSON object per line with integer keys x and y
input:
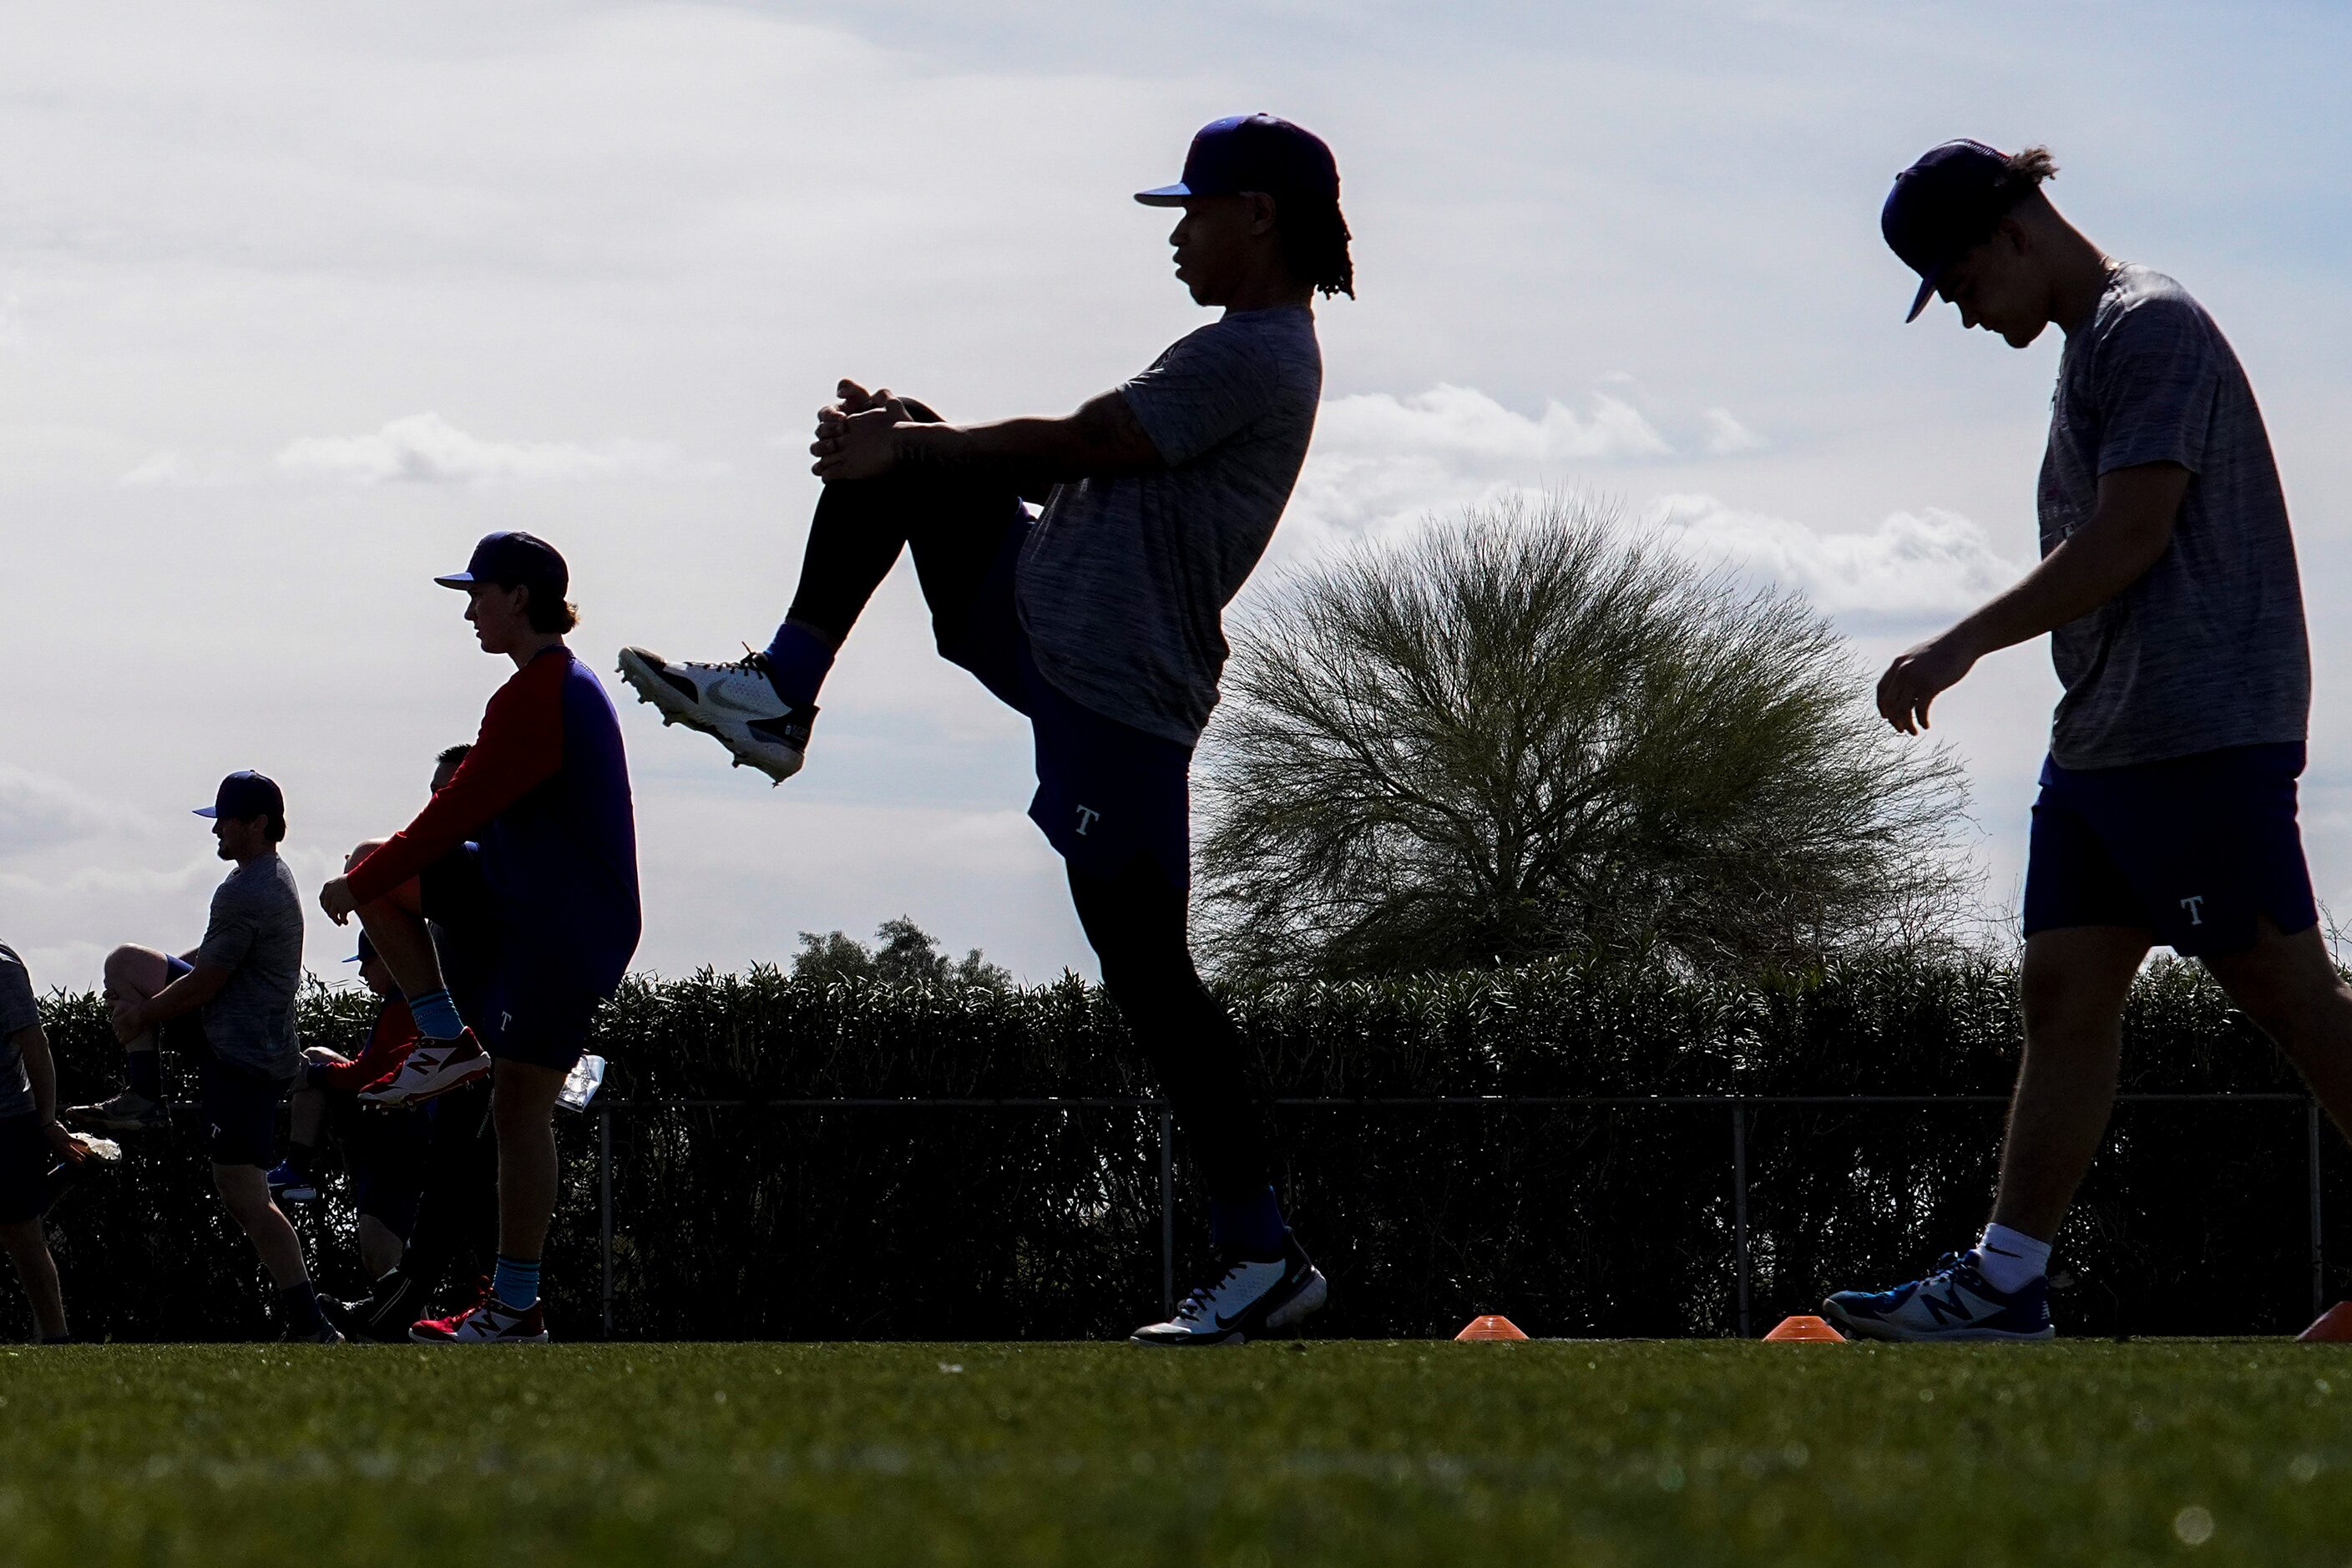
{"x": 433, "y": 1067}
{"x": 489, "y": 1322}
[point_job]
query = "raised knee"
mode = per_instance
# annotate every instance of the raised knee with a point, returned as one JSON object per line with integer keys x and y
{"x": 366, "y": 847}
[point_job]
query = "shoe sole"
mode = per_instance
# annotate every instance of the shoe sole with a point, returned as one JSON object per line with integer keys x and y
{"x": 537, "y": 1338}
{"x": 1885, "y": 1333}
{"x": 640, "y": 676}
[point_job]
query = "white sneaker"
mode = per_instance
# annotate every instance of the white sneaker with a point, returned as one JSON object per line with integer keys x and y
{"x": 1251, "y": 1299}
{"x": 433, "y": 1067}
{"x": 735, "y": 704}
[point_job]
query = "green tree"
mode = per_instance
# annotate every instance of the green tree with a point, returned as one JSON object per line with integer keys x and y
{"x": 1535, "y": 732}
{"x": 903, "y": 955}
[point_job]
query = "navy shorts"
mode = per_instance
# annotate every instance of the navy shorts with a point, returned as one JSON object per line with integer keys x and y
{"x": 24, "y": 1162}
{"x": 2191, "y": 848}
{"x": 538, "y": 1012}
{"x": 240, "y": 1109}
{"x": 240, "y": 1105}
{"x": 1109, "y": 795}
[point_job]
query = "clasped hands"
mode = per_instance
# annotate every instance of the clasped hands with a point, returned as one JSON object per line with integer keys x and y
{"x": 853, "y": 435}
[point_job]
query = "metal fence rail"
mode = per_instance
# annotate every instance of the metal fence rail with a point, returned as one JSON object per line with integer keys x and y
{"x": 1738, "y": 1106}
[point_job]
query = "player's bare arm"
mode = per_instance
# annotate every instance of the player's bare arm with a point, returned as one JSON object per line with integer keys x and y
{"x": 32, "y": 1046}
{"x": 2129, "y": 530}
{"x": 1102, "y": 439}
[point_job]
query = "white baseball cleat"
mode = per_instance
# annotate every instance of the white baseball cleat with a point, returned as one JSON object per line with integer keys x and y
{"x": 433, "y": 1068}
{"x": 735, "y": 704}
{"x": 1250, "y": 1299}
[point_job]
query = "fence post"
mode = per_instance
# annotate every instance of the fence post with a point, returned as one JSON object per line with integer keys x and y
{"x": 2318, "y": 1262}
{"x": 604, "y": 1187}
{"x": 1167, "y": 1212}
{"x": 1740, "y": 1208}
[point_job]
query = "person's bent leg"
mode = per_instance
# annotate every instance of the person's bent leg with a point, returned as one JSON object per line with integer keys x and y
{"x": 2287, "y": 984}
{"x": 137, "y": 974}
{"x": 28, "y": 1250}
{"x": 2075, "y": 981}
{"x": 395, "y": 926}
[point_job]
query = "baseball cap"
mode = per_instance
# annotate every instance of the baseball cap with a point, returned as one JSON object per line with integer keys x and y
{"x": 513, "y": 558}
{"x": 366, "y": 951}
{"x": 1251, "y": 152}
{"x": 244, "y": 794}
{"x": 1942, "y": 207}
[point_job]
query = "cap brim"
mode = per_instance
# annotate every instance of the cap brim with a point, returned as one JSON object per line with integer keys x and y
{"x": 457, "y": 580}
{"x": 206, "y": 811}
{"x": 1927, "y": 292}
{"x": 1173, "y": 196}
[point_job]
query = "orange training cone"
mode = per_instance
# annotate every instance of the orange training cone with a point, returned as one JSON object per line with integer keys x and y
{"x": 2333, "y": 1327}
{"x": 1493, "y": 1326}
{"x": 1807, "y": 1330}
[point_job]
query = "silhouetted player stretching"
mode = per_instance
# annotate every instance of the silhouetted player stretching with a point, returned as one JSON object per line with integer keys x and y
{"x": 1101, "y": 621}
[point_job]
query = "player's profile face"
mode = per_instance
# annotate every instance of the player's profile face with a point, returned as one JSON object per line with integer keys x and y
{"x": 498, "y": 614}
{"x": 1995, "y": 287}
{"x": 1212, "y": 242}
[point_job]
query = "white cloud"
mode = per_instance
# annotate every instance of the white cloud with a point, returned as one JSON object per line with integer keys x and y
{"x": 1465, "y": 423}
{"x": 1727, "y": 438}
{"x": 426, "y": 448}
{"x": 37, "y": 811}
{"x": 1913, "y": 566}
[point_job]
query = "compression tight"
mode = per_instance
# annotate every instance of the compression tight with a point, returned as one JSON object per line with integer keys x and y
{"x": 1136, "y": 924}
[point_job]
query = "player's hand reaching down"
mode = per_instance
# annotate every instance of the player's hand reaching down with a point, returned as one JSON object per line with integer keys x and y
{"x": 1917, "y": 676}
{"x": 854, "y": 437}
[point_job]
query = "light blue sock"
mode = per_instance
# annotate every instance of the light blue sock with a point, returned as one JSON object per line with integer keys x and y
{"x": 516, "y": 1282}
{"x": 436, "y": 1015}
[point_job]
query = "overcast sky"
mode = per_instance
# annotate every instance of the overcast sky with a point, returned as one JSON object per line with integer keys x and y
{"x": 297, "y": 301}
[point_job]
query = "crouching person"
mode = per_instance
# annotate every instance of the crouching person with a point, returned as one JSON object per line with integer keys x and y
{"x": 240, "y": 982}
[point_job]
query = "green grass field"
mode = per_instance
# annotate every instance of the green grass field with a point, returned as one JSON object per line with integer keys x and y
{"x": 1276, "y": 1454}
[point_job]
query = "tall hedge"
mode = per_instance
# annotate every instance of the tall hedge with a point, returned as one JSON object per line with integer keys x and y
{"x": 738, "y": 1217}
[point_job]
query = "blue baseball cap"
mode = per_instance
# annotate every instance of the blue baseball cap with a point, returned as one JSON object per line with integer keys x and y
{"x": 1943, "y": 206}
{"x": 246, "y": 795}
{"x": 366, "y": 951}
{"x": 514, "y": 559}
{"x": 1251, "y": 152}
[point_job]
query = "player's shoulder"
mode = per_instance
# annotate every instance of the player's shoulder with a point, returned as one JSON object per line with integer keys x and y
{"x": 2142, "y": 305}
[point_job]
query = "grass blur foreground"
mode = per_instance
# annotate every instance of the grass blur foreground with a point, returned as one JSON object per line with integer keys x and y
{"x": 1588, "y": 1453}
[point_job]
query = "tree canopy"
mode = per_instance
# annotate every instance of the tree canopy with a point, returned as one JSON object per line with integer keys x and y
{"x": 1535, "y": 731}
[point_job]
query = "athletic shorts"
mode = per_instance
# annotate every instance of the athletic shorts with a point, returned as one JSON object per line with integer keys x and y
{"x": 2193, "y": 848}
{"x": 539, "y": 1014}
{"x": 388, "y": 1153}
{"x": 24, "y": 1162}
{"x": 240, "y": 1109}
{"x": 1108, "y": 795}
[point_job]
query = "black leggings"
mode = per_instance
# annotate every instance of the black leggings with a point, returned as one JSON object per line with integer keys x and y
{"x": 956, "y": 530}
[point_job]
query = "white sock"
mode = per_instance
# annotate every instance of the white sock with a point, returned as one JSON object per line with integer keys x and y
{"x": 2009, "y": 1259}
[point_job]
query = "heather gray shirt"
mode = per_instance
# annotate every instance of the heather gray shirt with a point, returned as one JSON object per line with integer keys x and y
{"x": 2207, "y": 648}
{"x": 1124, "y": 581}
{"x": 18, "y": 1011}
{"x": 257, "y": 934}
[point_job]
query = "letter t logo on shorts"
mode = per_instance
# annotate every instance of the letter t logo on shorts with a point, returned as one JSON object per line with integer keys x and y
{"x": 2196, "y": 908}
{"x": 1087, "y": 817}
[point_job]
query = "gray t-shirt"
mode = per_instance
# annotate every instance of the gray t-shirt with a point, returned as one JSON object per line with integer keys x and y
{"x": 1124, "y": 581}
{"x": 257, "y": 933}
{"x": 18, "y": 1011}
{"x": 2207, "y": 648}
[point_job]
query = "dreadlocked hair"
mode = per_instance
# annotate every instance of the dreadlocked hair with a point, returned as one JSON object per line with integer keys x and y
{"x": 1315, "y": 246}
{"x": 2021, "y": 174}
